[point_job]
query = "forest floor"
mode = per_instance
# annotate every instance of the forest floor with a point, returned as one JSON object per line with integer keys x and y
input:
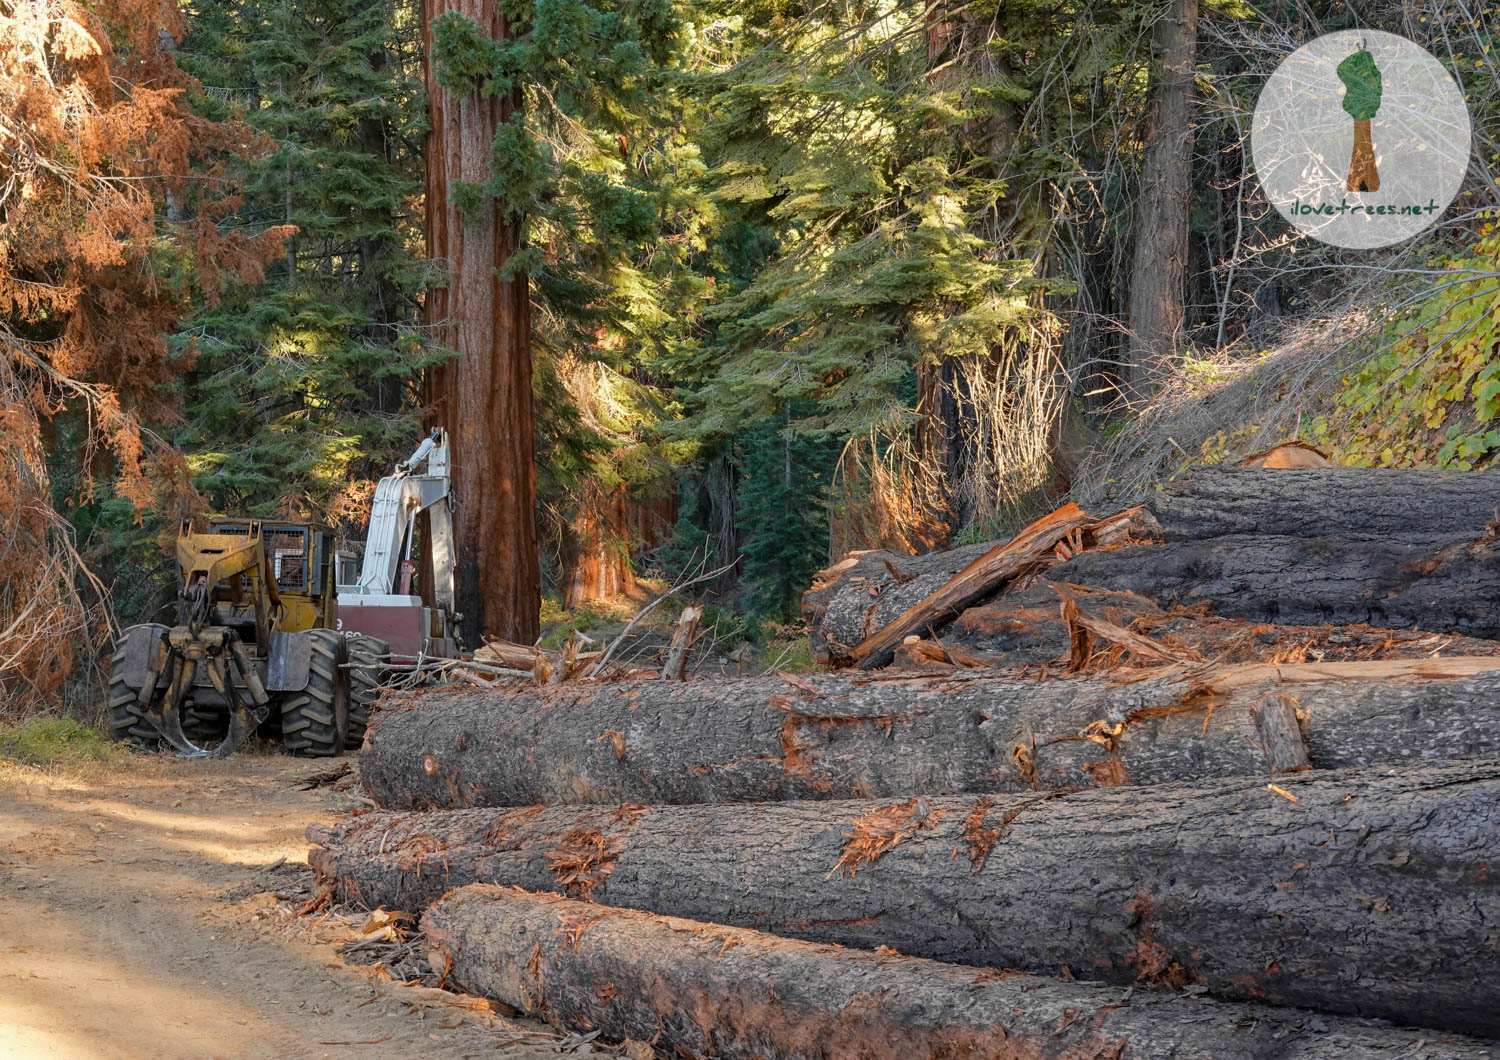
{"x": 150, "y": 908}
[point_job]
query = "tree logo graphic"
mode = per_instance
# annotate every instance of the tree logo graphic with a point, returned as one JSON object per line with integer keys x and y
{"x": 1360, "y": 139}
{"x": 1362, "y": 87}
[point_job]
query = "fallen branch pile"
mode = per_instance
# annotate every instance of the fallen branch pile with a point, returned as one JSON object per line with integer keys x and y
{"x": 1230, "y": 748}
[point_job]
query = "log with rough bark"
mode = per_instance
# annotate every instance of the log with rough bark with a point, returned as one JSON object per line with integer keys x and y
{"x": 865, "y": 591}
{"x": 709, "y": 990}
{"x": 1027, "y": 628}
{"x": 1367, "y": 892}
{"x": 1440, "y": 582}
{"x": 844, "y": 736}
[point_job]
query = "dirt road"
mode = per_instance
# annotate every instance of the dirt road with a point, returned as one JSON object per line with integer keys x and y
{"x": 140, "y": 917}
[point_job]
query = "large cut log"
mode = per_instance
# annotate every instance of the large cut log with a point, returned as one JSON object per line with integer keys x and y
{"x": 1324, "y": 502}
{"x": 1366, "y": 892}
{"x": 833, "y": 736}
{"x": 1440, "y": 582}
{"x": 866, "y": 591}
{"x": 1028, "y": 628}
{"x": 708, "y": 990}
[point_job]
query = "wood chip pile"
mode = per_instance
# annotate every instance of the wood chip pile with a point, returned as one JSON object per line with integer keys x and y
{"x": 1215, "y": 775}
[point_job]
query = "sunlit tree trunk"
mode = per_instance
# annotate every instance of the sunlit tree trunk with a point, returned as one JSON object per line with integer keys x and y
{"x": 483, "y": 396}
{"x": 1158, "y": 275}
{"x": 599, "y": 541}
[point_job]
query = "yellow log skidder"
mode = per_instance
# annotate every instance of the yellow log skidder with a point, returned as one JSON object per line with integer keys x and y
{"x": 259, "y": 639}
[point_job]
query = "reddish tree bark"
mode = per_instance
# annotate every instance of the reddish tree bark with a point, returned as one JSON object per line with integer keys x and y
{"x": 1158, "y": 276}
{"x": 483, "y": 396}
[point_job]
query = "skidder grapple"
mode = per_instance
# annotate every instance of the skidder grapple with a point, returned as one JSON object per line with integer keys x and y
{"x": 256, "y": 643}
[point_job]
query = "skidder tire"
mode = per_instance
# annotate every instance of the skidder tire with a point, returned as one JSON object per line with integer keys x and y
{"x": 367, "y": 656}
{"x": 127, "y": 722}
{"x": 315, "y": 721}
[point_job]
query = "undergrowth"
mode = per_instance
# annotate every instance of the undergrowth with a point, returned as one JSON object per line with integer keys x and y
{"x": 1430, "y": 395}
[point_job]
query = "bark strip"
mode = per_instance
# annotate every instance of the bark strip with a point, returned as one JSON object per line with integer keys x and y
{"x": 708, "y": 990}
{"x": 830, "y": 736}
{"x": 1372, "y": 894}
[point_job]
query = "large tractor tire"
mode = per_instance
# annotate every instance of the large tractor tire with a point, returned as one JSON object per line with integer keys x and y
{"x": 315, "y": 721}
{"x": 127, "y": 721}
{"x": 367, "y": 657}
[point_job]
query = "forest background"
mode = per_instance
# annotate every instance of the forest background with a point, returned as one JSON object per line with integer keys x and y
{"x": 797, "y": 278}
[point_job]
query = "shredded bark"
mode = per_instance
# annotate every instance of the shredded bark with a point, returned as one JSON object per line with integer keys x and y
{"x": 1154, "y": 963}
{"x": 617, "y": 741}
{"x": 981, "y": 840}
{"x": 581, "y": 860}
{"x": 882, "y": 830}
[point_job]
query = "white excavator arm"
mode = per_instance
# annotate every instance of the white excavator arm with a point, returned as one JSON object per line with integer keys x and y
{"x": 399, "y": 498}
{"x": 381, "y": 604}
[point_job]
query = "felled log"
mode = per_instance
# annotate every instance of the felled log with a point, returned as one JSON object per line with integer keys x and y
{"x": 1366, "y": 503}
{"x": 831, "y": 736}
{"x": 1342, "y": 508}
{"x": 1046, "y": 542}
{"x": 1028, "y": 628}
{"x": 708, "y": 990}
{"x": 1366, "y": 892}
{"x": 1440, "y": 582}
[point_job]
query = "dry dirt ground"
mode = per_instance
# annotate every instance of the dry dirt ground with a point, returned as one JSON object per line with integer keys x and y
{"x": 146, "y": 911}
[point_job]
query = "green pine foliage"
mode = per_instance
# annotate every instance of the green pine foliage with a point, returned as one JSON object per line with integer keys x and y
{"x": 304, "y": 386}
{"x": 782, "y": 508}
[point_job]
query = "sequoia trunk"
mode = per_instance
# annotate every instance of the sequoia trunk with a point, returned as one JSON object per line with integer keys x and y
{"x": 483, "y": 395}
{"x": 1358, "y": 891}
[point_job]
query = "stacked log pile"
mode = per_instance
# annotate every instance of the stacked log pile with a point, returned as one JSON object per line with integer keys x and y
{"x": 1388, "y": 549}
{"x": 1191, "y": 779}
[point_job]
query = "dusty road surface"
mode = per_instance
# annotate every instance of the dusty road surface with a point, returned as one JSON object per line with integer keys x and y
{"x": 147, "y": 912}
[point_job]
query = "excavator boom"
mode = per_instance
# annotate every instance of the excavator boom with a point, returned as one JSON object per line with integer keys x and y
{"x": 381, "y": 603}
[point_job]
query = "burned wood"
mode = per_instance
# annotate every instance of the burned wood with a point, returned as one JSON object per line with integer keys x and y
{"x": 1370, "y": 895}
{"x": 701, "y": 989}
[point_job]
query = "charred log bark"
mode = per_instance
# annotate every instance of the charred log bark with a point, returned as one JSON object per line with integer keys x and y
{"x": 837, "y": 737}
{"x": 1366, "y": 892}
{"x": 708, "y": 990}
{"x": 1438, "y": 583}
{"x": 1326, "y": 502}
